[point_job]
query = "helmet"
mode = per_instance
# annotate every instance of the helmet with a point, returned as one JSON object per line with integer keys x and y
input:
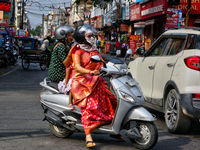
{"x": 61, "y": 31}
{"x": 81, "y": 31}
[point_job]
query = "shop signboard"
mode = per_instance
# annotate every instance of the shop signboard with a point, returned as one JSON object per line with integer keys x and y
{"x": 135, "y": 12}
{"x": 195, "y": 6}
{"x": 5, "y": 6}
{"x": 3, "y": 30}
{"x": 172, "y": 18}
{"x": 123, "y": 27}
{"x": 3, "y": 22}
{"x": 22, "y": 32}
{"x": 134, "y": 41}
{"x": 107, "y": 46}
{"x": 12, "y": 29}
{"x": 153, "y": 8}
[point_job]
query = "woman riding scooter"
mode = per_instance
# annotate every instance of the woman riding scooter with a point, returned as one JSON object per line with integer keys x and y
{"x": 90, "y": 92}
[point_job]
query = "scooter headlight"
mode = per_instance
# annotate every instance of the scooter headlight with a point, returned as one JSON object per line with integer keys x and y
{"x": 126, "y": 96}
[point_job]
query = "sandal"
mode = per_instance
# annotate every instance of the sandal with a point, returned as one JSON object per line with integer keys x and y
{"x": 89, "y": 146}
{"x": 119, "y": 137}
{"x": 70, "y": 107}
{"x": 87, "y": 142}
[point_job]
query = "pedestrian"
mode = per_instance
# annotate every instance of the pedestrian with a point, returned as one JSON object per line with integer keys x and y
{"x": 123, "y": 48}
{"x": 98, "y": 44}
{"x": 117, "y": 44}
{"x": 112, "y": 47}
{"x": 45, "y": 45}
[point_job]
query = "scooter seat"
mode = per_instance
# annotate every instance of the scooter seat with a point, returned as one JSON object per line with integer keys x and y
{"x": 54, "y": 85}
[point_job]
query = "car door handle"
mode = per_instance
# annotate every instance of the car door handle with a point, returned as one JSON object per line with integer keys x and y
{"x": 151, "y": 67}
{"x": 170, "y": 65}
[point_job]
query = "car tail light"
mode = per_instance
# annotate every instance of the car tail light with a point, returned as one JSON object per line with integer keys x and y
{"x": 193, "y": 62}
{"x": 197, "y": 96}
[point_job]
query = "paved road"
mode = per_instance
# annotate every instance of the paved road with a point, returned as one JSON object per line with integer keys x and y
{"x": 21, "y": 125}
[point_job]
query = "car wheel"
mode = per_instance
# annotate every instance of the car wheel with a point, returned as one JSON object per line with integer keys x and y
{"x": 175, "y": 120}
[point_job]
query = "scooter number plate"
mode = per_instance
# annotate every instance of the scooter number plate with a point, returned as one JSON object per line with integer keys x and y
{"x": 131, "y": 82}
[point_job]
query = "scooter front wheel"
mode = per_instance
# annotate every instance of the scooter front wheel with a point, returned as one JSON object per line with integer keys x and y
{"x": 60, "y": 132}
{"x": 149, "y": 135}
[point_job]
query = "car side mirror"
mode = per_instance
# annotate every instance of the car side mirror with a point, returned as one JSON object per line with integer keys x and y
{"x": 140, "y": 51}
{"x": 96, "y": 58}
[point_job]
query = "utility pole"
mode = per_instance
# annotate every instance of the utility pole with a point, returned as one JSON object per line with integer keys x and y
{"x": 22, "y": 21}
{"x": 188, "y": 13}
{"x": 43, "y": 25}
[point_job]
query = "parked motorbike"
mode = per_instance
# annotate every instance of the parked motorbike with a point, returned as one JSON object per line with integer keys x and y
{"x": 5, "y": 54}
{"x": 130, "y": 114}
{"x": 14, "y": 53}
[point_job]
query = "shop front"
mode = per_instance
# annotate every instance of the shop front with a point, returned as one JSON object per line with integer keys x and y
{"x": 153, "y": 13}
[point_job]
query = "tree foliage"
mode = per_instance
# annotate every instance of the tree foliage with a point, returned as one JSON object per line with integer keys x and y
{"x": 36, "y": 31}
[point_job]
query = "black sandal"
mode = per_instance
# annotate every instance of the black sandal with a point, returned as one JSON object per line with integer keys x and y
{"x": 89, "y": 146}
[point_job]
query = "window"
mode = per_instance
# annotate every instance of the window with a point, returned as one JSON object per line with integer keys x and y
{"x": 190, "y": 42}
{"x": 174, "y": 46}
{"x": 158, "y": 49}
{"x": 28, "y": 42}
{"x": 197, "y": 42}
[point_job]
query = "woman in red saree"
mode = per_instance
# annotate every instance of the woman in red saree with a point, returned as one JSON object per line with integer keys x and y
{"x": 90, "y": 93}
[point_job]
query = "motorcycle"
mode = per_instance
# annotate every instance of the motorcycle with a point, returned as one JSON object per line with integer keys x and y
{"x": 129, "y": 115}
{"x": 14, "y": 53}
{"x": 5, "y": 54}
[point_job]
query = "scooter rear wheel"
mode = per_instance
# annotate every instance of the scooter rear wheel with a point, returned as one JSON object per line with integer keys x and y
{"x": 149, "y": 135}
{"x": 60, "y": 132}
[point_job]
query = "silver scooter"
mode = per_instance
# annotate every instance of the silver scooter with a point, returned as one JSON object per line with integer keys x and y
{"x": 129, "y": 115}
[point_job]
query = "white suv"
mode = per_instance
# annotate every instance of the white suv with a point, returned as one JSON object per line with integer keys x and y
{"x": 169, "y": 76}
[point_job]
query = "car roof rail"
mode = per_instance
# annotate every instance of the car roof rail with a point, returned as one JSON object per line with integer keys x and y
{"x": 193, "y": 28}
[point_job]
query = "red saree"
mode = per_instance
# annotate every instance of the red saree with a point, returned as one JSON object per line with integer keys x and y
{"x": 91, "y": 93}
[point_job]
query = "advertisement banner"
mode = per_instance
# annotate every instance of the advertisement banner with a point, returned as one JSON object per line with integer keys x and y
{"x": 124, "y": 11}
{"x": 135, "y": 12}
{"x": 195, "y": 6}
{"x": 123, "y": 27}
{"x": 108, "y": 18}
{"x": 107, "y": 46}
{"x": 172, "y": 18}
{"x": 100, "y": 21}
{"x": 127, "y": 11}
{"x": 134, "y": 41}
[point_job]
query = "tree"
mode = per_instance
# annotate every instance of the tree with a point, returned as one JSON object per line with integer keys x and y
{"x": 36, "y": 31}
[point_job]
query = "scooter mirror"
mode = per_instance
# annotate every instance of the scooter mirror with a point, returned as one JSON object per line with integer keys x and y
{"x": 95, "y": 58}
